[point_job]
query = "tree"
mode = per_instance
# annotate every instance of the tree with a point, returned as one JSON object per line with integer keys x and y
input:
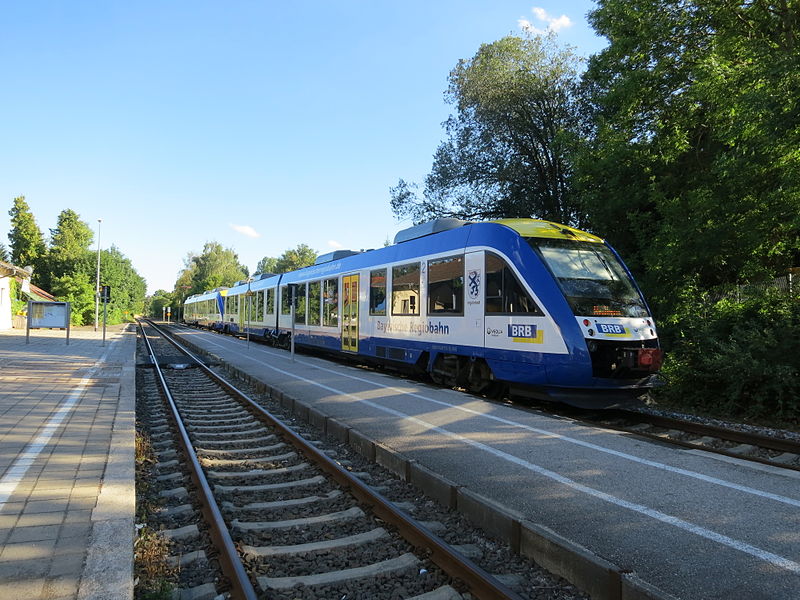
{"x": 268, "y": 264}
{"x": 296, "y": 258}
{"x": 507, "y": 152}
{"x": 4, "y": 256}
{"x": 77, "y": 289}
{"x": 214, "y": 267}
{"x": 69, "y": 243}
{"x": 71, "y": 236}
{"x": 692, "y": 165}
{"x": 155, "y": 303}
{"x": 127, "y": 286}
{"x": 291, "y": 260}
{"x": 27, "y": 242}
{"x": 185, "y": 282}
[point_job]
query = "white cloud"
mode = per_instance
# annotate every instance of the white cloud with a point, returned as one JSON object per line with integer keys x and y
{"x": 335, "y": 245}
{"x": 555, "y": 24}
{"x": 245, "y": 230}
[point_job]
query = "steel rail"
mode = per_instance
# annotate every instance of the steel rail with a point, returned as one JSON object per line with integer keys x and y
{"x": 230, "y": 563}
{"x": 741, "y": 437}
{"x": 482, "y": 585}
{"x": 730, "y": 435}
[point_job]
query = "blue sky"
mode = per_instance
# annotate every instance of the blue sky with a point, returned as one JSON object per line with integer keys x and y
{"x": 260, "y": 125}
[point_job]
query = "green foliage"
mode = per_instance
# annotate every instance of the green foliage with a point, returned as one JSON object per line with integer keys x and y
{"x": 155, "y": 303}
{"x": 19, "y": 305}
{"x": 291, "y": 260}
{"x": 127, "y": 286}
{"x": 268, "y": 264}
{"x": 69, "y": 244}
{"x": 508, "y": 147}
{"x": 71, "y": 237}
{"x": 692, "y": 162}
{"x": 735, "y": 359}
{"x": 4, "y": 255}
{"x": 27, "y": 242}
{"x": 214, "y": 267}
{"x": 77, "y": 289}
{"x": 295, "y": 258}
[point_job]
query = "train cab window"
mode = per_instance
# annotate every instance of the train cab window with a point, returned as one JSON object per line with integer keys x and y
{"x": 330, "y": 303}
{"x": 269, "y": 303}
{"x": 504, "y": 293}
{"x": 314, "y": 291}
{"x": 446, "y": 286}
{"x": 405, "y": 289}
{"x": 377, "y": 292}
{"x": 300, "y": 309}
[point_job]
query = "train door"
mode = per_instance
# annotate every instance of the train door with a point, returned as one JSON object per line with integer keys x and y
{"x": 475, "y": 280}
{"x": 350, "y": 313}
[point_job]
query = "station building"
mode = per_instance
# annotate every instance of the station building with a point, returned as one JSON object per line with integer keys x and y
{"x": 9, "y": 273}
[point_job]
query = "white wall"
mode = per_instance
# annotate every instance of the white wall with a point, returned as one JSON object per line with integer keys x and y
{"x": 5, "y": 303}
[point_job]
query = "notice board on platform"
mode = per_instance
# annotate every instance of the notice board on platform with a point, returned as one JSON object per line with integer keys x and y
{"x": 48, "y": 315}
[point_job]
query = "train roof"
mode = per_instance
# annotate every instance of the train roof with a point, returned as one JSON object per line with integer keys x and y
{"x": 209, "y": 295}
{"x": 539, "y": 228}
{"x": 416, "y": 241}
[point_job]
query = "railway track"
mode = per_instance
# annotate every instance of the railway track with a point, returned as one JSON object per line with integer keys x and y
{"x": 727, "y": 441}
{"x": 281, "y": 519}
{"x": 775, "y": 451}
{"x": 769, "y": 450}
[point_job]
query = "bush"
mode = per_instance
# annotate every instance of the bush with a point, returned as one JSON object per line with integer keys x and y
{"x": 734, "y": 359}
{"x": 19, "y": 306}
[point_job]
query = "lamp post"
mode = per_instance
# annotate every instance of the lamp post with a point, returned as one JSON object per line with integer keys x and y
{"x": 97, "y": 280}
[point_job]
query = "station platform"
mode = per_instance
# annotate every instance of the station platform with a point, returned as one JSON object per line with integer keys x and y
{"x": 67, "y": 498}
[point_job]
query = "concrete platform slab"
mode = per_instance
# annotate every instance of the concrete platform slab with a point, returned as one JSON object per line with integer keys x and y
{"x": 67, "y": 496}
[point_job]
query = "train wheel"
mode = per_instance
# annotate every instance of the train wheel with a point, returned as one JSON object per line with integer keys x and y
{"x": 479, "y": 377}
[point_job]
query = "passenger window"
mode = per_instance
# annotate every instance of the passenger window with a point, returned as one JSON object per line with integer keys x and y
{"x": 330, "y": 303}
{"x": 446, "y": 286}
{"x": 314, "y": 303}
{"x": 377, "y": 292}
{"x": 286, "y": 300}
{"x": 300, "y": 309}
{"x": 270, "y": 302}
{"x": 405, "y": 289}
{"x": 260, "y": 306}
{"x": 504, "y": 293}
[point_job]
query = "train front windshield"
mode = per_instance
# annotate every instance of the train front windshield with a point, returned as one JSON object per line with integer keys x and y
{"x": 591, "y": 278}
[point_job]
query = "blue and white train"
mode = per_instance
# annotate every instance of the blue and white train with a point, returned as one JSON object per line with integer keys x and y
{"x": 539, "y": 308}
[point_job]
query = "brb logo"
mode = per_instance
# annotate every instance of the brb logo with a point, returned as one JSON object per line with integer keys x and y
{"x": 522, "y": 331}
{"x": 529, "y": 334}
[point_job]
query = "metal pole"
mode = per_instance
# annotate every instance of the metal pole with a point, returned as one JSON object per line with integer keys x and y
{"x": 105, "y": 314}
{"x": 97, "y": 279}
{"x": 28, "y": 323}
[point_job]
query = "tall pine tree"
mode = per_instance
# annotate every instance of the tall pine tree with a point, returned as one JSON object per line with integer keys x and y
{"x": 27, "y": 242}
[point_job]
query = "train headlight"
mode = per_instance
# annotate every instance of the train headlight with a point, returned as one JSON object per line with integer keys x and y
{"x": 591, "y": 332}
